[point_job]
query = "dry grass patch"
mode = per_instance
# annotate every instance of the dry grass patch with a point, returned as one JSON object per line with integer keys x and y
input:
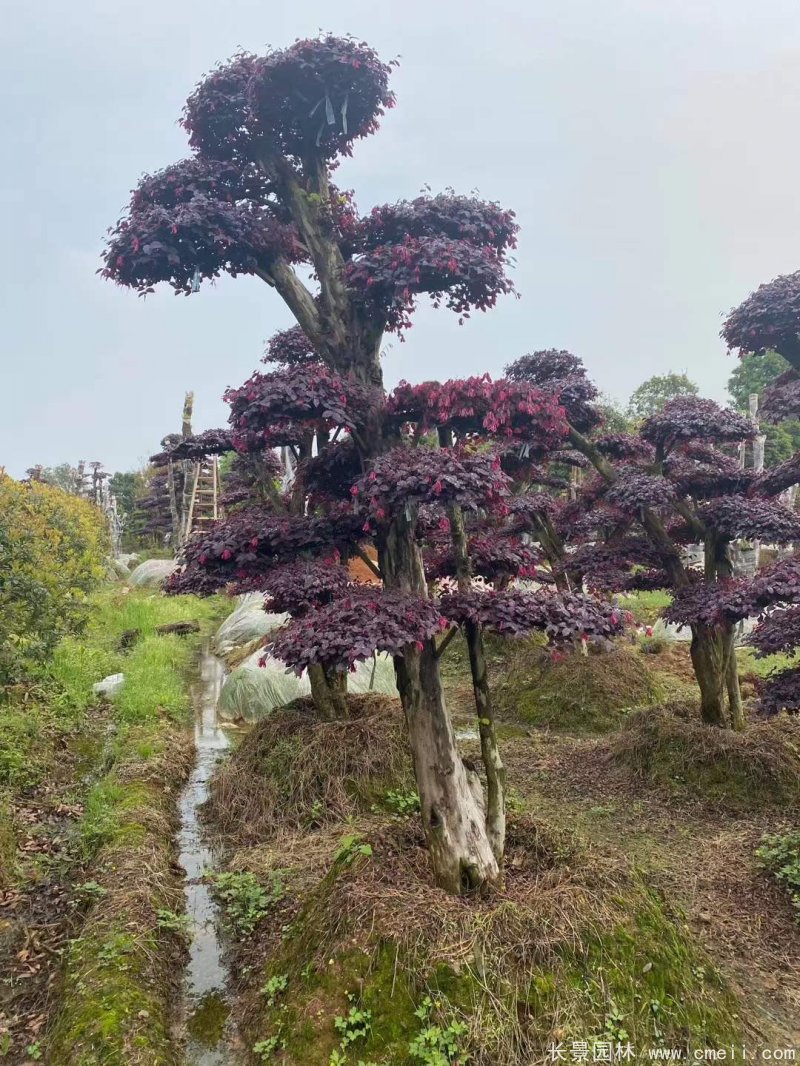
{"x": 293, "y": 770}
{"x": 580, "y": 693}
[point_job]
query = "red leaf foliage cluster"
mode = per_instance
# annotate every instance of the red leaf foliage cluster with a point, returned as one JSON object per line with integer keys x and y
{"x": 195, "y": 220}
{"x": 459, "y": 218}
{"x": 564, "y": 375}
{"x": 563, "y": 617}
{"x": 298, "y": 588}
{"x": 322, "y": 94}
{"x": 330, "y": 474}
{"x": 412, "y": 476}
{"x": 496, "y": 557}
{"x": 251, "y": 480}
{"x": 633, "y": 488}
{"x": 353, "y": 627}
{"x": 240, "y": 549}
{"x": 777, "y": 632}
{"x": 479, "y": 405}
{"x": 781, "y": 692}
{"x": 198, "y": 446}
{"x": 460, "y": 274}
{"x": 298, "y": 393}
{"x": 752, "y": 519}
{"x": 781, "y": 400}
{"x": 630, "y": 563}
{"x": 624, "y": 446}
{"x": 290, "y": 347}
{"x": 689, "y": 418}
{"x": 768, "y": 319}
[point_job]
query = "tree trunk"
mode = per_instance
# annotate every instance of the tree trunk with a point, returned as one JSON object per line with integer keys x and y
{"x": 451, "y": 801}
{"x": 490, "y": 751}
{"x": 711, "y": 665}
{"x": 177, "y": 542}
{"x": 329, "y": 692}
{"x": 735, "y": 708}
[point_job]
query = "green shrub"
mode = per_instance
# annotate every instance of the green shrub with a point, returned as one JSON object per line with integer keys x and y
{"x": 780, "y": 854}
{"x": 52, "y": 551}
{"x": 245, "y": 901}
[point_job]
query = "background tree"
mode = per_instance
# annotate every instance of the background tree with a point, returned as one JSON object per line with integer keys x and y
{"x": 63, "y": 476}
{"x": 616, "y": 418}
{"x": 127, "y": 486}
{"x": 756, "y": 374}
{"x": 652, "y": 395}
{"x": 257, "y": 197}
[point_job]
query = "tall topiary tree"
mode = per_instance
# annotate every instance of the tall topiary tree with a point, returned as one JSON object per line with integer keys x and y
{"x": 443, "y": 476}
{"x": 256, "y": 197}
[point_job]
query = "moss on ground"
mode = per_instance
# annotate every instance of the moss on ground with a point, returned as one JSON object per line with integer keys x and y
{"x": 741, "y": 771}
{"x": 575, "y": 948}
{"x": 119, "y": 973}
{"x": 580, "y": 693}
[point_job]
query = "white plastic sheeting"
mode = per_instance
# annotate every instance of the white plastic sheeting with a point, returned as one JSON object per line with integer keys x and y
{"x": 152, "y": 573}
{"x": 251, "y": 692}
{"x": 109, "y": 686}
{"x": 248, "y": 622}
{"x": 374, "y": 675}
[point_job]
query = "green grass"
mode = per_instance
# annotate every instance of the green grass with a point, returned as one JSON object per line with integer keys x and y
{"x": 750, "y": 664}
{"x": 647, "y": 606}
{"x": 118, "y": 970}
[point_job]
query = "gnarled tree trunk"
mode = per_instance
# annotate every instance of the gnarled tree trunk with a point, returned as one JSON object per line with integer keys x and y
{"x": 490, "y": 750}
{"x": 451, "y": 801}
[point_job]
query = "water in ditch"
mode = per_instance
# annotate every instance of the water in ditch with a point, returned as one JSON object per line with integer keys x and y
{"x": 206, "y": 1006}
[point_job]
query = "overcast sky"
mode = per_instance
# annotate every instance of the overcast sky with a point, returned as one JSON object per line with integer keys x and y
{"x": 649, "y": 147}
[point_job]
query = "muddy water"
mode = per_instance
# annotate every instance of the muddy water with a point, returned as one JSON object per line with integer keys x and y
{"x": 206, "y": 1007}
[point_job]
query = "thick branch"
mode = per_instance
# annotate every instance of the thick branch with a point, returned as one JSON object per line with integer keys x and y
{"x": 297, "y": 298}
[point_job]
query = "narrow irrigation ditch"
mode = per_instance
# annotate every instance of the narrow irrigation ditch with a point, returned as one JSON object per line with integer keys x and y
{"x": 210, "y": 1041}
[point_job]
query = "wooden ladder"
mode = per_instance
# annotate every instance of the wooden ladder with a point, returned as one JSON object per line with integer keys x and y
{"x": 204, "y": 501}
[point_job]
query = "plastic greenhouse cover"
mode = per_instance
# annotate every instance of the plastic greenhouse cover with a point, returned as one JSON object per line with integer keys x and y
{"x": 251, "y": 692}
{"x": 248, "y": 622}
{"x": 152, "y": 572}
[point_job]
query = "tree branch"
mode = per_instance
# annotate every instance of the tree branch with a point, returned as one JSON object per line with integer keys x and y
{"x": 442, "y": 646}
{"x": 297, "y": 298}
{"x": 368, "y": 563}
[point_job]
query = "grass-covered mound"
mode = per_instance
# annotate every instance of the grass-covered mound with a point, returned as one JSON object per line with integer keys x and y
{"x": 581, "y": 693}
{"x": 365, "y": 960}
{"x": 293, "y": 770}
{"x": 673, "y": 748}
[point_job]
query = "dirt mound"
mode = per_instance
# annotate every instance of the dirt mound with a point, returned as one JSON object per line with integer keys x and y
{"x": 738, "y": 770}
{"x": 585, "y": 693}
{"x": 293, "y": 770}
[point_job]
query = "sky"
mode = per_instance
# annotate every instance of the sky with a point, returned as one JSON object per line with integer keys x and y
{"x": 648, "y": 147}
